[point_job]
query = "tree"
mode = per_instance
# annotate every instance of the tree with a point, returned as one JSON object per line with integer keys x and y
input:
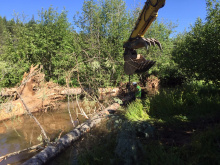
{"x": 55, "y": 43}
{"x": 197, "y": 52}
{"x": 48, "y": 41}
{"x": 104, "y": 27}
{"x": 14, "y": 52}
{"x": 95, "y": 50}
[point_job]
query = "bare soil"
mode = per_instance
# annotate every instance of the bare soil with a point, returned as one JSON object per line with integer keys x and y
{"x": 37, "y": 94}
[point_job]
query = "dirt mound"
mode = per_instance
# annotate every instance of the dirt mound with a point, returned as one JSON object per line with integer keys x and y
{"x": 37, "y": 94}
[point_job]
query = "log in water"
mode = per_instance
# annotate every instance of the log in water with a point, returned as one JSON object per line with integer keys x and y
{"x": 64, "y": 142}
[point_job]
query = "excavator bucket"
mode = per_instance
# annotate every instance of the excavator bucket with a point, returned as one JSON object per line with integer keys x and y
{"x": 136, "y": 63}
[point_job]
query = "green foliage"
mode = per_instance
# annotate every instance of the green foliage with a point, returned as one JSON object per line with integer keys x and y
{"x": 93, "y": 54}
{"x": 197, "y": 51}
{"x": 104, "y": 26}
{"x": 56, "y": 43}
{"x": 160, "y": 30}
{"x": 205, "y": 146}
{"x": 97, "y": 149}
{"x": 3, "y": 69}
{"x": 96, "y": 156}
{"x": 129, "y": 148}
{"x": 192, "y": 107}
{"x": 157, "y": 154}
{"x": 119, "y": 145}
{"x": 48, "y": 41}
{"x": 165, "y": 68}
{"x": 3, "y": 24}
{"x": 12, "y": 62}
{"x": 136, "y": 112}
{"x": 171, "y": 76}
{"x": 202, "y": 149}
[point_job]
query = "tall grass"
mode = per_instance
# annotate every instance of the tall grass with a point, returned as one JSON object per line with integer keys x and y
{"x": 189, "y": 104}
{"x": 192, "y": 102}
{"x": 136, "y": 111}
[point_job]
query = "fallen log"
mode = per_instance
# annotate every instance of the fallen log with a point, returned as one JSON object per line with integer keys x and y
{"x": 9, "y": 92}
{"x": 45, "y": 97}
{"x": 55, "y": 148}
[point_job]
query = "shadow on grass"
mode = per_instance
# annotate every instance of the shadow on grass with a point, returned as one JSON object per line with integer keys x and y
{"x": 185, "y": 104}
{"x": 186, "y": 131}
{"x": 187, "y": 126}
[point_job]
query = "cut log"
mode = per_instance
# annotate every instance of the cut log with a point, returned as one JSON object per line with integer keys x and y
{"x": 71, "y": 91}
{"x": 7, "y": 92}
{"x": 56, "y": 148}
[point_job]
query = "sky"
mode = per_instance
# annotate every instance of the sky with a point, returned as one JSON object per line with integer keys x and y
{"x": 183, "y": 13}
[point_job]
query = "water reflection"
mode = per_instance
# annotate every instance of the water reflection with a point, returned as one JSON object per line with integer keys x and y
{"x": 22, "y": 132}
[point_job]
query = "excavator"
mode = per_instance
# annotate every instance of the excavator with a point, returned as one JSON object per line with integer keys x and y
{"x": 133, "y": 62}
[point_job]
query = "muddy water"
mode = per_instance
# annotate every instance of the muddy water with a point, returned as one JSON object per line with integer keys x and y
{"x": 22, "y": 132}
{"x": 69, "y": 156}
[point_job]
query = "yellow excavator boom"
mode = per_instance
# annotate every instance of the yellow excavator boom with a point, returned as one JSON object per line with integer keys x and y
{"x": 146, "y": 17}
{"x": 136, "y": 63}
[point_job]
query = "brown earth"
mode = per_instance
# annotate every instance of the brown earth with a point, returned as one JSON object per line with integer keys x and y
{"x": 35, "y": 92}
{"x": 39, "y": 95}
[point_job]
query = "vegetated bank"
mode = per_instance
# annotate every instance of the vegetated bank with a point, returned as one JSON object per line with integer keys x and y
{"x": 176, "y": 126}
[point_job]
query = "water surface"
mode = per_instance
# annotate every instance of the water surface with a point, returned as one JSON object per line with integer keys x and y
{"x": 22, "y": 132}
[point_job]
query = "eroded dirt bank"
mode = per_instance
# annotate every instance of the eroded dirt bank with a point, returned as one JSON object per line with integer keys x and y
{"x": 38, "y": 95}
{"x": 35, "y": 93}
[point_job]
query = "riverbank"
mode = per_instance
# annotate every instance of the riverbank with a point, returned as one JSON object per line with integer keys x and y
{"x": 175, "y": 125}
{"x": 56, "y": 148}
{"x": 34, "y": 95}
{"x": 186, "y": 128}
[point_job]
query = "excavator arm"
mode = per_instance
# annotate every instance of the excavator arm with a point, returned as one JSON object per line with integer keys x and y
{"x": 135, "y": 63}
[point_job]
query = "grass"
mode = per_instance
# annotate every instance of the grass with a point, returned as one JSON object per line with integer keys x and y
{"x": 99, "y": 148}
{"x": 187, "y": 130}
{"x": 136, "y": 111}
{"x": 202, "y": 149}
{"x": 191, "y": 102}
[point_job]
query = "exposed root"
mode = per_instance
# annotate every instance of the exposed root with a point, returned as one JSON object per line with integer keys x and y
{"x": 153, "y": 82}
{"x": 37, "y": 95}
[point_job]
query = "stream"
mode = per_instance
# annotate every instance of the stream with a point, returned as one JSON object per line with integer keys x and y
{"x": 22, "y": 132}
